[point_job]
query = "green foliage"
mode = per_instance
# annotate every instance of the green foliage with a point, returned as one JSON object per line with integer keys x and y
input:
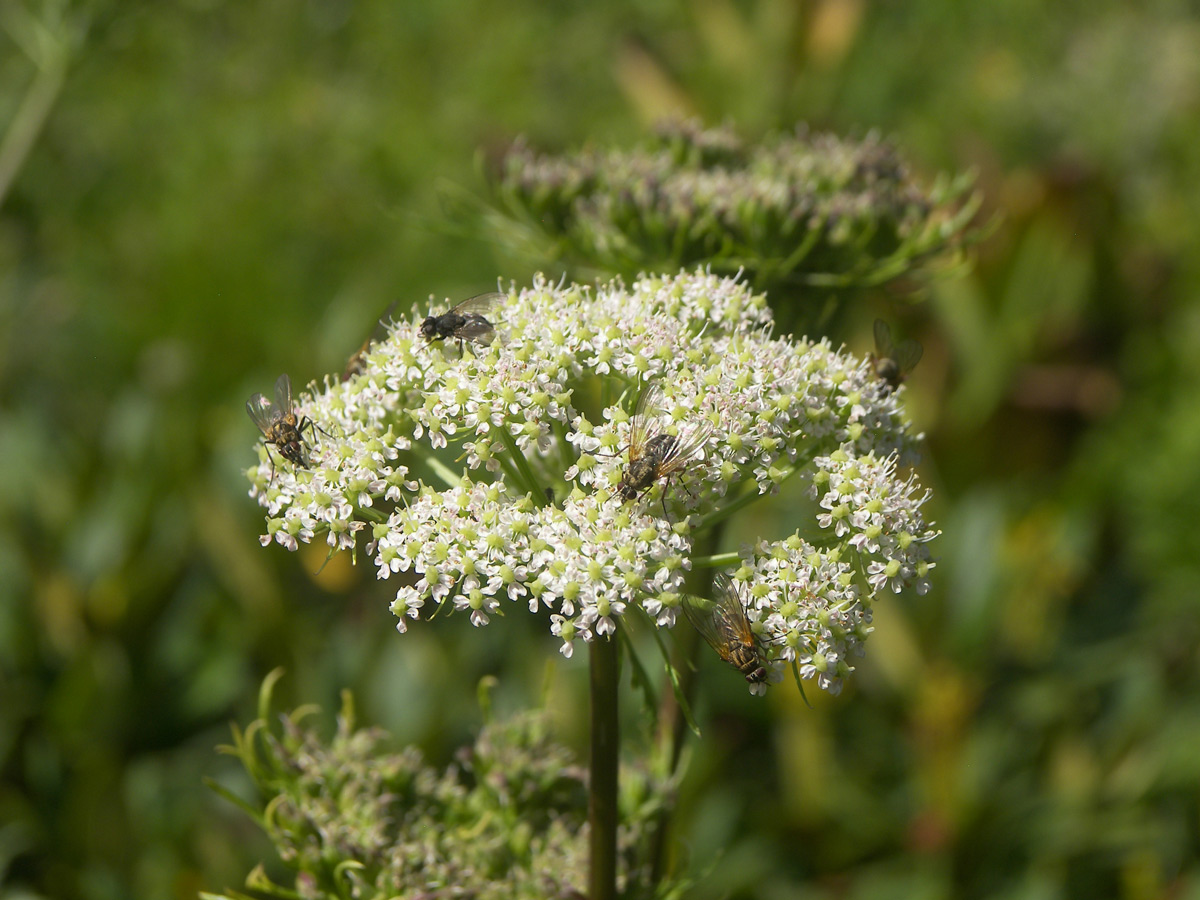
{"x": 508, "y": 819}
{"x": 222, "y": 191}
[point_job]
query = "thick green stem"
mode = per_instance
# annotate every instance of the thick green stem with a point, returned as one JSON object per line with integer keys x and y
{"x": 566, "y": 451}
{"x": 370, "y": 513}
{"x": 602, "y": 784}
{"x": 716, "y": 560}
{"x": 719, "y": 515}
{"x": 514, "y": 479}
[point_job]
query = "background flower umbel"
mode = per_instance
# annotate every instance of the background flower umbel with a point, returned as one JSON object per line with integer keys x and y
{"x": 791, "y": 210}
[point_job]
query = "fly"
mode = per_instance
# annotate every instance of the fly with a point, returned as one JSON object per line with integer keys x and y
{"x": 723, "y": 623}
{"x": 653, "y": 452}
{"x": 357, "y": 364}
{"x": 465, "y": 321}
{"x": 279, "y": 424}
{"x": 893, "y": 362}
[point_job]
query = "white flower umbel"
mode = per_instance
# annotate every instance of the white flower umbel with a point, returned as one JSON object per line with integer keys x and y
{"x": 804, "y": 604}
{"x": 488, "y": 478}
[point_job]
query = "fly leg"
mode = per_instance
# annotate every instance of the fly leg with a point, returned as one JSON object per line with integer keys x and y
{"x": 271, "y": 480}
{"x": 306, "y": 421}
{"x": 662, "y": 497}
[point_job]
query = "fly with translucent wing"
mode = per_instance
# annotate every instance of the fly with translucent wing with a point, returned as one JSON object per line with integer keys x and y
{"x": 357, "y": 363}
{"x": 654, "y": 453}
{"x": 465, "y": 321}
{"x": 279, "y": 424}
{"x": 723, "y": 623}
{"x": 892, "y": 362}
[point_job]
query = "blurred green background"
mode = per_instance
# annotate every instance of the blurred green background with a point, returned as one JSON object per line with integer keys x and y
{"x": 199, "y": 195}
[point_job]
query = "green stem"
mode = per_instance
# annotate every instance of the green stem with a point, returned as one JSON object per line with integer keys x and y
{"x": 531, "y": 482}
{"x": 35, "y": 108}
{"x": 602, "y": 785}
{"x": 566, "y": 449}
{"x": 802, "y": 250}
{"x": 443, "y": 471}
{"x": 720, "y": 515}
{"x": 369, "y": 512}
{"x": 672, "y": 719}
{"x": 514, "y": 478}
{"x": 716, "y": 560}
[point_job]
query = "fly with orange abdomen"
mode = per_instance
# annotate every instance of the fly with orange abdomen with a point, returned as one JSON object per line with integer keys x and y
{"x": 724, "y": 624}
{"x": 280, "y": 425}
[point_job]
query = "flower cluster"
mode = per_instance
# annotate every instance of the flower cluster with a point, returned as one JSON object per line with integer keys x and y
{"x": 864, "y": 499}
{"x": 794, "y": 209}
{"x": 806, "y": 605}
{"x": 546, "y": 515}
{"x": 506, "y": 819}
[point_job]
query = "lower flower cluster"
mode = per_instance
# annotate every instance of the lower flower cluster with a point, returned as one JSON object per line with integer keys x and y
{"x": 806, "y": 606}
{"x": 507, "y": 819}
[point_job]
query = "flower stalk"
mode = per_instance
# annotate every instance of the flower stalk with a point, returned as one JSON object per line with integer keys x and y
{"x": 447, "y": 475}
{"x": 604, "y": 675}
{"x": 716, "y": 560}
{"x": 530, "y": 480}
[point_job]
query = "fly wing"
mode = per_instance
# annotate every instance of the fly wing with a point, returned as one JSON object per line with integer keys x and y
{"x": 476, "y": 328}
{"x": 479, "y": 305}
{"x": 908, "y": 354}
{"x": 647, "y": 419}
{"x": 721, "y": 622}
{"x": 736, "y": 623}
{"x": 693, "y": 436}
{"x": 262, "y": 412}
{"x": 883, "y": 339}
{"x": 357, "y": 362}
{"x": 707, "y": 619}
{"x": 283, "y": 395}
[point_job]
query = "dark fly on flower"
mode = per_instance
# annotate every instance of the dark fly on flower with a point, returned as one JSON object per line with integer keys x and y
{"x": 465, "y": 321}
{"x": 357, "y": 363}
{"x": 279, "y": 424}
{"x": 892, "y": 362}
{"x": 723, "y": 623}
{"x": 653, "y": 452}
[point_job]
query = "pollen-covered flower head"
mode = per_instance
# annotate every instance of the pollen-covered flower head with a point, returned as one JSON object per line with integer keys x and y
{"x": 567, "y": 465}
